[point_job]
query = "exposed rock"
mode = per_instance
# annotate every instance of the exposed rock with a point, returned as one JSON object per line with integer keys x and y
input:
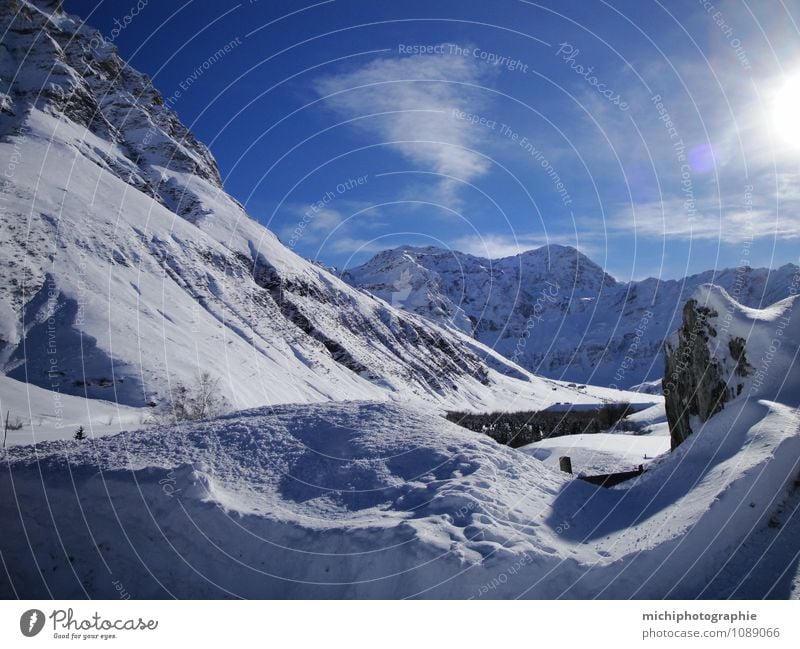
{"x": 704, "y": 369}
{"x": 56, "y": 64}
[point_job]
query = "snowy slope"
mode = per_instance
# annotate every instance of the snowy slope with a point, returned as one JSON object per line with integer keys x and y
{"x": 553, "y": 310}
{"x": 377, "y": 500}
{"x": 125, "y": 268}
{"x": 38, "y": 415}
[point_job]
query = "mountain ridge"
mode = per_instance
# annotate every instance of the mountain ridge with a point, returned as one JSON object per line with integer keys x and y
{"x": 552, "y": 309}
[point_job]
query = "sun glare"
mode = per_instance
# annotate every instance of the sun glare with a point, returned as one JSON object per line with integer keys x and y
{"x": 785, "y": 112}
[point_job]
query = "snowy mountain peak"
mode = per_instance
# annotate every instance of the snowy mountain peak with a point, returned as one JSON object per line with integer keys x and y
{"x": 53, "y": 62}
{"x": 553, "y": 310}
{"x": 464, "y": 291}
{"x": 558, "y": 258}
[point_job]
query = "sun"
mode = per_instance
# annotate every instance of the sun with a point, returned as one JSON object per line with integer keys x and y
{"x": 786, "y": 112}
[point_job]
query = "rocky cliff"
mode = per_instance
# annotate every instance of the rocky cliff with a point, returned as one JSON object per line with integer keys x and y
{"x": 724, "y": 351}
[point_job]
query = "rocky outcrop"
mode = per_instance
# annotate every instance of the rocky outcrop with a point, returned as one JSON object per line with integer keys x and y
{"x": 53, "y": 62}
{"x": 705, "y": 367}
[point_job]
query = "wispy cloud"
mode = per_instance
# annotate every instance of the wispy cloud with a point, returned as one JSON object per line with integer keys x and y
{"x": 408, "y": 103}
{"x": 731, "y": 223}
{"x": 496, "y": 246}
{"x": 700, "y": 132}
{"x": 355, "y": 246}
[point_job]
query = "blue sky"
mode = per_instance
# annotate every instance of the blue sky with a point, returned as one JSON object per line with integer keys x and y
{"x": 659, "y": 138}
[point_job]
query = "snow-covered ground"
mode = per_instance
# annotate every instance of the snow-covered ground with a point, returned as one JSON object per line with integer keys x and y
{"x": 39, "y": 415}
{"x": 639, "y": 439}
{"x": 378, "y": 500}
{"x": 125, "y": 268}
{"x": 599, "y": 453}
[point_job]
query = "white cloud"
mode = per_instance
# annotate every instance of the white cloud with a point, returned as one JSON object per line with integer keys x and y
{"x": 354, "y": 246}
{"x": 311, "y": 225}
{"x": 731, "y": 224}
{"x": 496, "y": 246}
{"x": 409, "y": 103}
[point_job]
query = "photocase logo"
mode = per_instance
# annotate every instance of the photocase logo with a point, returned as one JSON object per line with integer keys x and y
{"x": 31, "y": 622}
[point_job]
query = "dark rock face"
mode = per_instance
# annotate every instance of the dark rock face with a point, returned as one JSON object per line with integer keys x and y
{"x": 697, "y": 381}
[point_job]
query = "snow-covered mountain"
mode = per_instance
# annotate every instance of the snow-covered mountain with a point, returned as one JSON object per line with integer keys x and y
{"x": 125, "y": 266}
{"x": 553, "y": 310}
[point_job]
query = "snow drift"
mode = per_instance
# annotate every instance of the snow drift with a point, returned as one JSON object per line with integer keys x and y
{"x": 376, "y": 500}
